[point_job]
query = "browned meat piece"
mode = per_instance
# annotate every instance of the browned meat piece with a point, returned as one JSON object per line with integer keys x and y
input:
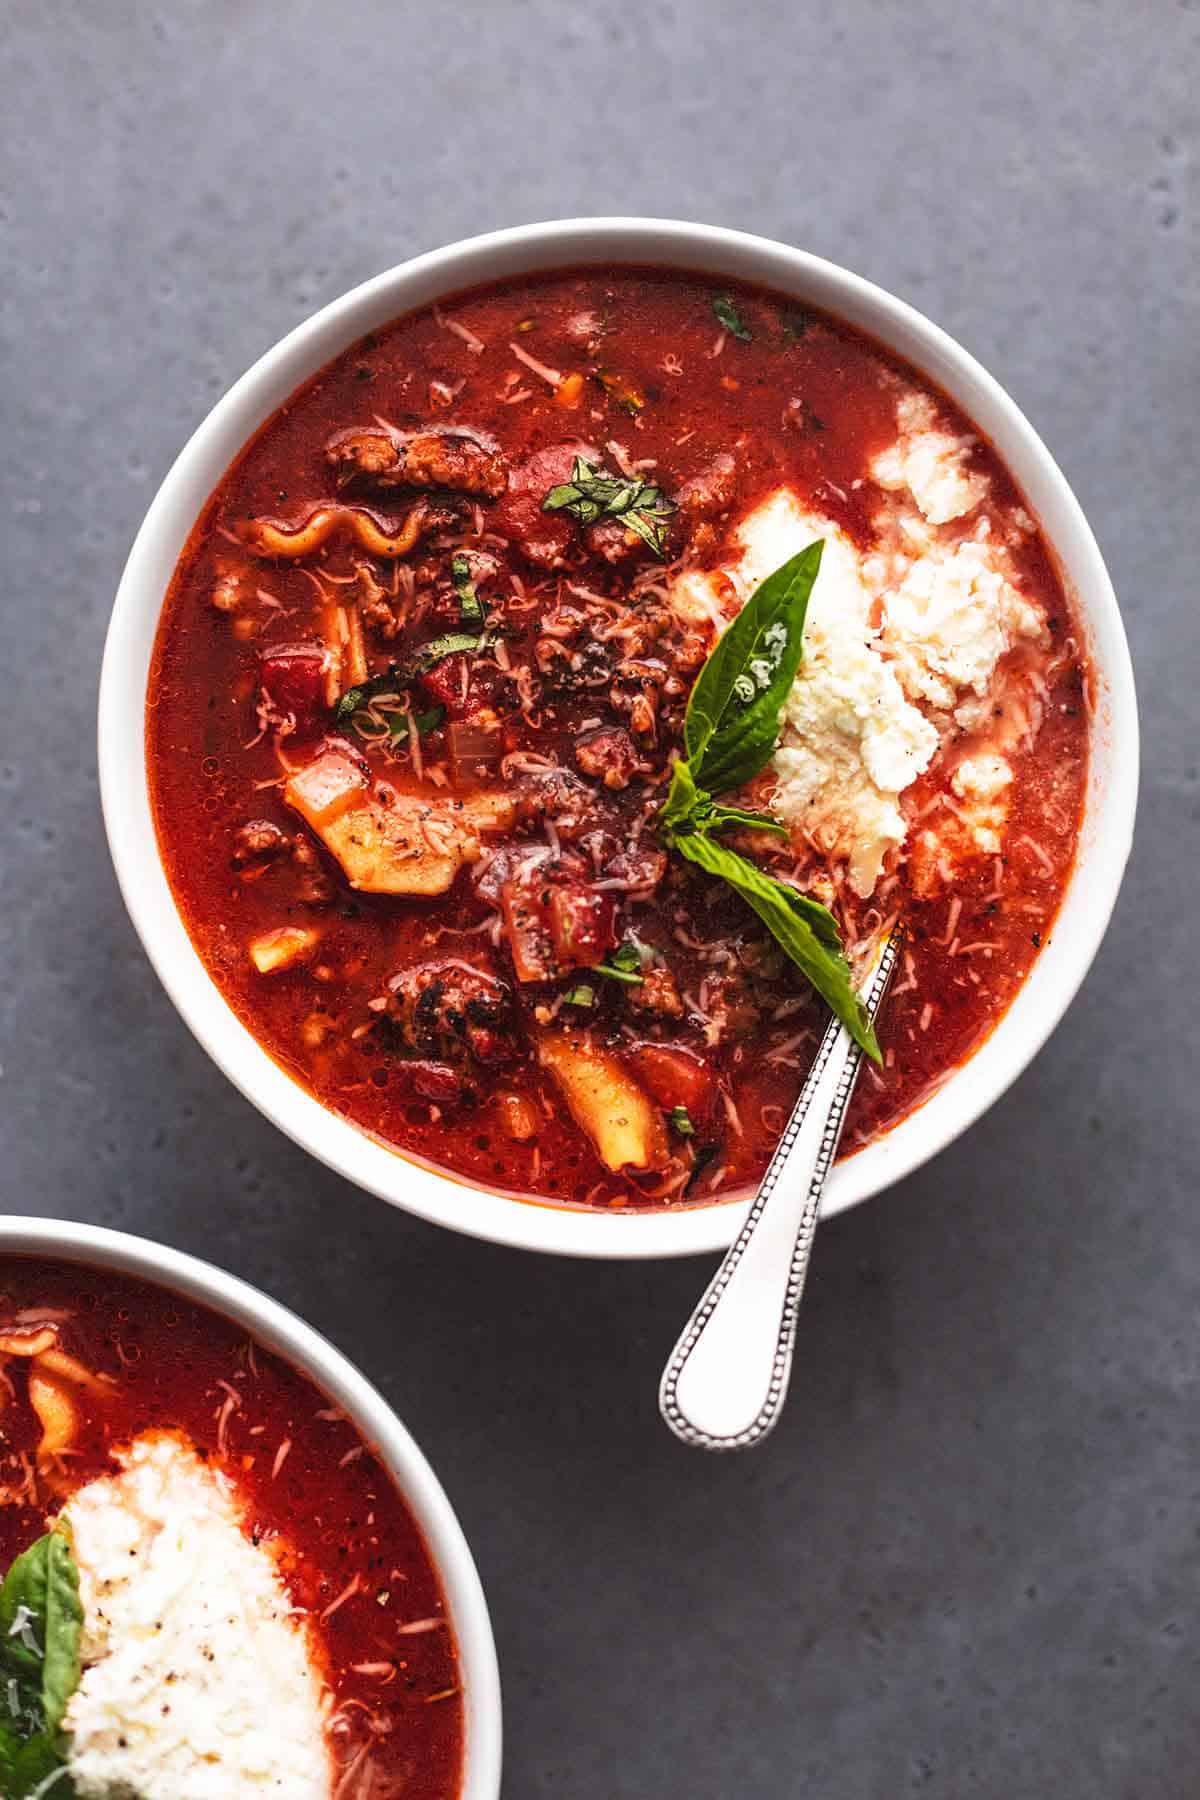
{"x": 636, "y": 695}
{"x": 658, "y": 995}
{"x": 371, "y": 454}
{"x": 640, "y": 866}
{"x": 614, "y": 542}
{"x": 711, "y": 492}
{"x": 432, "y": 459}
{"x": 609, "y": 756}
{"x": 374, "y": 607}
{"x": 654, "y": 644}
{"x": 560, "y": 795}
{"x": 258, "y": 843}
{"x": 453, "y": 1013}
{"x": 316, "y": 885}
{"x": 453, "y": 460}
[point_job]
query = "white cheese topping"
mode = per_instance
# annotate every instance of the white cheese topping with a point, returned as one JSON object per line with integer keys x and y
{"x": 197, "y": 1683}
{"x": 904, "y": 650}
{"x": 950, "y": 620}
{"x": 981, "y": 777}
{"x": 930, "y": 463}
{"x": 851, "y": 741}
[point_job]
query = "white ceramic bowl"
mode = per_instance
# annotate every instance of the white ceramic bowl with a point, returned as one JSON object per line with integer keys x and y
{"x": 1107, "y": 827}
{"x": 281, "y": 1331}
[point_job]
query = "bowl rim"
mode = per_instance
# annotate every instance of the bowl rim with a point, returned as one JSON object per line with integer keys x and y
{"x": 441, "y": 1198}
{"x": 284, "y": 1332}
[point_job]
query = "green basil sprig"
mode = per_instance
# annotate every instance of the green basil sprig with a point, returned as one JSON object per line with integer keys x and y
{"x": 41, "y": 1620}
{"x": 730, "y": 731}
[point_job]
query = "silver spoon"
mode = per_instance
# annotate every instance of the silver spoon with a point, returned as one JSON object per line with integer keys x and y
{"x": 726, "y": 1381}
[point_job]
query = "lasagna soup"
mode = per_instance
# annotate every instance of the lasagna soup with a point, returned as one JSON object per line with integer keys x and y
{"x": 211, "y": 1587}
{"x": 565, "y": 691}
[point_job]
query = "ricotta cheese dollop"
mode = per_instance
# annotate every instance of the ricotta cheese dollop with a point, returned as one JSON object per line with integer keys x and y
{"x": 197, "y": 1681}
{"x": 902, "y": 655}
{"x": 931, "y": 463}
{"x": 851, "y": 741}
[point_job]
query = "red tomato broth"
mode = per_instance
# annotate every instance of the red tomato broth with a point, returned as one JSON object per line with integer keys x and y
{"x": 333, "y": 1513}
{"x": 208, "y": 776}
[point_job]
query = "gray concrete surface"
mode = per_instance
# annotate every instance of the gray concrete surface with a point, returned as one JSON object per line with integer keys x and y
{"x": 967, "y": 1562}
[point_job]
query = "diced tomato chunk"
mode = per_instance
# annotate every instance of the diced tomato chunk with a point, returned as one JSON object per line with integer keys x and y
{"x": 581, "y": 925}
{"x": 675, "y": 1078}
{"x": 544, "y": 537}
{"x": 447, "y": 683}
{"x": 555, "y": 926}
{"x": 293, "y": 676}
{"x": 525, "y": 923}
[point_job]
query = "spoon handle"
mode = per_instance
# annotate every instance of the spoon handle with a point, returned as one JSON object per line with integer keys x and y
{"x": 725, "y": 1383}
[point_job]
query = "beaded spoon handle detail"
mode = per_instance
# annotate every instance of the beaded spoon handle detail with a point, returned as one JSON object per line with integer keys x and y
{"x": 726, "y": 1380}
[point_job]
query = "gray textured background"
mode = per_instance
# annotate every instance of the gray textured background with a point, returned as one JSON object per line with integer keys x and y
{"x": 966, "y": 1563}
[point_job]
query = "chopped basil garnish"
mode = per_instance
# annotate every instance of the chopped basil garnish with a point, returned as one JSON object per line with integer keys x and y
{"x": 591, "y": 495}
{"x": 681, "y": 1120}
{"x": 451, "y": 643}
{"x": 354, "y": 699}
{"x": 625, "y": 964}
{"x": 425, "y": 722}
{"x": 470, "y": 606}
{"x": 730, "y": 731}
{"x": 40, "y": 1624}
{"x": 730, "y": 318}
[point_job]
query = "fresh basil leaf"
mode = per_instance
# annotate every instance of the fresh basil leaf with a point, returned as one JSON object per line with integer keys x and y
{"x": 41, "y": 1620}
{"x": 681, "y": 1120}
{"x": 797, "y": 926}
{"x": 591, "y": 495}
{"x": 688, "y": 807}
{"x": 625, "y": 964}
{"x": 470, "y": 606}
{"x": 732, "y": 721}
{"x": 451, "y": 643}
{"x": 389, "y": 681}
{"x": 683, "y": 797}
{"x": 717, "y": 817}
{"x": 40, "y": 1623}
{"x": 730, "y": 318}
{"x": 425, "y": 722}
{"x": 36, "y": 1770}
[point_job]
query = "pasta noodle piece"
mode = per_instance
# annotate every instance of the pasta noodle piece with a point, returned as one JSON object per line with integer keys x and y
{"x": 265, "y": 538}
